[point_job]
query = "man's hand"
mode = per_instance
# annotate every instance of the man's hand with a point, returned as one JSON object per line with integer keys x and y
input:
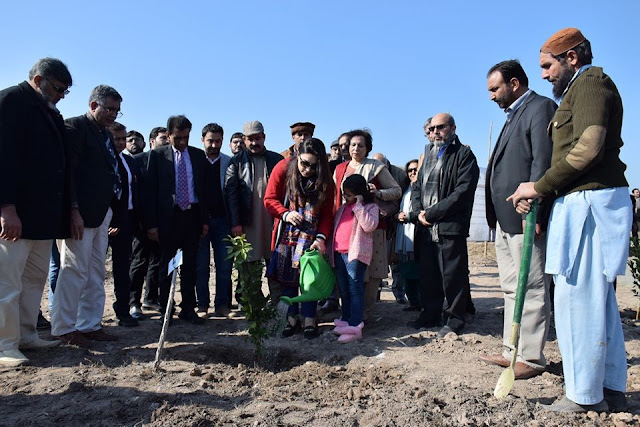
{"x": 236, "y": 230}
{"x": 422, "y": 218}
{"x": 10, "y": 223}
{"x": 538, "y": 229}
{"x": 205, "y": 231}
{"x": 152, "y": 234}
{"x": 319, "y": 245}
{"x": 402, "y": 217}
{"x": 524, "y": 191}
{"x": 113, "y": 231}
{"x": 77, "y": 224}
{"x": 294, "y": 218}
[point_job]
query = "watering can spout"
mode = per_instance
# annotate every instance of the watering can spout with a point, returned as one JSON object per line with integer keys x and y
{"x": 316, "y": 278}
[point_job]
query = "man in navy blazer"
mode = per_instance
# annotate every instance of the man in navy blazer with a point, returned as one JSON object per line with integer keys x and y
{"x": 177, "y": 210}
{"x": 33, "y": 207}
{"x": 95, "y": 188}
{"x": 522, "y": 154}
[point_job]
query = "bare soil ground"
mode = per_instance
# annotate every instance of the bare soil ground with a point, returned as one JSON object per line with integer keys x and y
{"x": 394, "y": 377}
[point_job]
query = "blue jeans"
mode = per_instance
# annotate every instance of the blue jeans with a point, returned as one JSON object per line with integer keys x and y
{"x": 350, "y": 276}
{"x": 307, "y": 309}
{"x": 219, "y": 229}
{"x": 54, "y": 269}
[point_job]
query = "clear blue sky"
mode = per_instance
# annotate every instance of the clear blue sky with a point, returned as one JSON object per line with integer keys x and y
{"x": 339, "y": 64}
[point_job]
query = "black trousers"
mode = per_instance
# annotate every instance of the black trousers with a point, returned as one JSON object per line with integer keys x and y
{"x": 184, "y": 234}
{"x": 444, "y": 277}
{"x": 121, "y": 258}
{"x": 145, "y": 263}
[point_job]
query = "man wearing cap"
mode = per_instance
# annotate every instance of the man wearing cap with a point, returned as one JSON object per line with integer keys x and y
{"x": 33, "y": 209}
{"x": 588, "y": 234}
{"x": 299, "y": 132}
{"x": 245, "y": 184}
{"x": 522, "y": 153}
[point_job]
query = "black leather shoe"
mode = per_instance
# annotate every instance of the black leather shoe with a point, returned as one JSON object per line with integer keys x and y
{"x": 127, "y": 321}
{"x": 136, "y": 312}
{"x": 616, "y": 400}
{"x": 191, "y": 317}
{"x": 42, "y": 322}
{"x": 424, "y": 322}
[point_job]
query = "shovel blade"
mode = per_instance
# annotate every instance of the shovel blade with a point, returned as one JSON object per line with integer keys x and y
{"x": 505, "y": 383}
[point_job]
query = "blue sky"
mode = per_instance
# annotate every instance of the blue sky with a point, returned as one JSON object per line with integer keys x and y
{"x": 340, "y": 64}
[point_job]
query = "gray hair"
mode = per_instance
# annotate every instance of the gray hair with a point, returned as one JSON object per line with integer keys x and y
{"x": 51, "y": 67}
{"x": 101, "y": 92}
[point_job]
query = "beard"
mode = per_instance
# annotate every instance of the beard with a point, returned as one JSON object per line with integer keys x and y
{"x": 213, "y": 151}
{"x": 561, "y": 83}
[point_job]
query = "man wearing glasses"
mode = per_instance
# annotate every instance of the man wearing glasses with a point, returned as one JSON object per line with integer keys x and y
{"x": 442, "y": 200}
{"x": 522, "y": 153}
{"x": 96, "y": 187}
{"x": 33, "y": 209}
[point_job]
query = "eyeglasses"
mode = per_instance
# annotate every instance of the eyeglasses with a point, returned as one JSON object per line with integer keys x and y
{"x": 412, "y": 170}
{"x": 60, "y": 90}
{"x": 437, "y": 127}
{"x": 307, "y": 165}
{"x": 112, "y": 110}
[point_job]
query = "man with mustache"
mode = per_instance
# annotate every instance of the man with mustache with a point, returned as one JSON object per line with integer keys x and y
{"x": 588, "y": 235}
{"x": 219, "y": 229}
{"x": 245, "y": 184}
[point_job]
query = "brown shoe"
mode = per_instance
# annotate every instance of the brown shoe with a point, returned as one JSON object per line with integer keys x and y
{"x": 495, "y": 359}
{"x": 523, "y": 371}
{"x": 75, "y": 338}
{"x": 99, "y": 335}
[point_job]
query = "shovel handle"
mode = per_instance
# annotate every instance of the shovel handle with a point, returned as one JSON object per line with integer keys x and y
{"x": 525, "y": 261}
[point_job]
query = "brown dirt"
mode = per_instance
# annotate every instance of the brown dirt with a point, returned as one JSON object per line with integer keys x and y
{"x": 209, "y": 376}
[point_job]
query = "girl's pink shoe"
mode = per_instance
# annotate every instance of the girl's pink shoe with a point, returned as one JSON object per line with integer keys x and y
{"x": 340, "y": 330}
{"x": 340, "y": 323}
{"x": 347, "y": 337}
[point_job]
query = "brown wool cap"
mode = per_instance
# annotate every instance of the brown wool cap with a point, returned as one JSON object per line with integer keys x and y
{"x": 302, "y": 126}
{"x": 562, "y": 41}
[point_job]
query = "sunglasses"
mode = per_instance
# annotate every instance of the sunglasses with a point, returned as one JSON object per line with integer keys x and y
{"x": 438, "y": 127}
{"x": 60, "y": 90}
{"x": 310, "y": 166}
{"x": 412, "y": 170}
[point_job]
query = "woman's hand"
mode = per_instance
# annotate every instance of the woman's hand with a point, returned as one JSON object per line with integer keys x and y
{"x": 402, "y": 217}
{"x": 319, "y": 245}
{"x": 294, "y": 218}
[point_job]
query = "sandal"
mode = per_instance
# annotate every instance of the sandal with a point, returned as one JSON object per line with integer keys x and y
{"x": 290, "y": 329}
{"x": 310, "y": 332}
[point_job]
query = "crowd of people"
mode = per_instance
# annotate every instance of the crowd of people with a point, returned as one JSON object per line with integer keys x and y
{"x": 75, "y": 187}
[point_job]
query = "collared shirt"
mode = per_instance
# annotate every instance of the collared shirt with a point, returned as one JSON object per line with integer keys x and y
{"x": 575, "y": 76}
{"x": 516, "y": 104}
{"x": 212, "y": 161}
{"x": 185, "y": 157}
{"x": 129, "y": 179}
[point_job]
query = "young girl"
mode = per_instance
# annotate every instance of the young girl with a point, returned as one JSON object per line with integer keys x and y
{"x": 355, "y": 222}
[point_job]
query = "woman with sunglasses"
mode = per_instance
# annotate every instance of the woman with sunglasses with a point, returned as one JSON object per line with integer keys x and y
{"x": 403, "y": 244}
{"x": 299, "y": 196}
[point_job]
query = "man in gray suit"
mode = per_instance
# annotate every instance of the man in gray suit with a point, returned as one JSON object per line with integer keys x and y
{"x": 522, "y": 154}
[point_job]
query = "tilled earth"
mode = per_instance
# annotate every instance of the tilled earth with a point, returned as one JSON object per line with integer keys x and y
{"x": 210, "y": 376}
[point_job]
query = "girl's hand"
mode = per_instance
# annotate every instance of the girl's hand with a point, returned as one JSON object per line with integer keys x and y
{"x": 319, "y": 245}
{"x": 359, "y": 199}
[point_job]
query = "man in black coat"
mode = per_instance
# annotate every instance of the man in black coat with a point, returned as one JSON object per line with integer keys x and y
{"x": 177, "y": 210}
{"x": 522, "y": 154}
{"x": 33, "y": 209}
{"x": 145, "y": 255}
{"x": 95, "y": 188}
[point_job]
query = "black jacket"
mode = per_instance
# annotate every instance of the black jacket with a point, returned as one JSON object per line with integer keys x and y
{"x": 92, "y": 174}
{"x": 239, "y": 185}
{"x": 458, "y": 184}
{"x": 33, "y": 171}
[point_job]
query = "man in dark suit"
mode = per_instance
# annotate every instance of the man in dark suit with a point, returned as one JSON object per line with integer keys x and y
{"x": 95, "y": 188}
{"x": 145, "y": 255}
{"x": 522, "y": 154}
{"x": 120, "y": 241}
{"x": 177, "y": 210}
{"x": 33, "y": 209}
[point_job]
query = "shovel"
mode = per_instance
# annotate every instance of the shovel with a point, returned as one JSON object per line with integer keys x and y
{"x": 175, "y": 262}
{"x": 505, "y": 383}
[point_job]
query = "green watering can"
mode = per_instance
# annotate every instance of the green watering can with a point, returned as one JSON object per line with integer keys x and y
{"x": 316, "y": 278}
